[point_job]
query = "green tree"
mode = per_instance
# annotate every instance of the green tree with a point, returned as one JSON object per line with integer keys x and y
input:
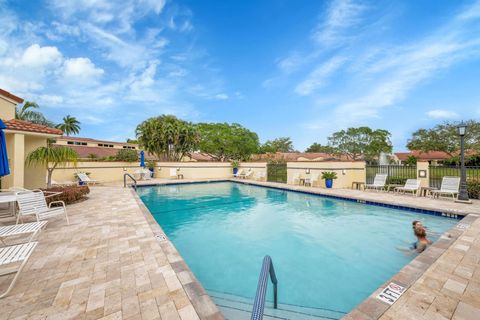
{"x": 317, "y": 147}
{"x": 26, "y": 112}
{"x": 411, "y": 161}
{"x": 127, "y": 155}
{"x": 92, "y": 156}
{"x": 224, "y": 142}
{"x": 50, "y": 157}
{"x": 70, "y": 125}
{"x": 167, "y": 137}
{"x": 135, "y": 141}
{"x": 444, "y": 137}
{"x": 283, "y": 144}
{"x": 361, "y": 142}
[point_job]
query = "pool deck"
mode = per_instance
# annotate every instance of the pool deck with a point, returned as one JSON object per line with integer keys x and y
{"x": 109, "y": 264}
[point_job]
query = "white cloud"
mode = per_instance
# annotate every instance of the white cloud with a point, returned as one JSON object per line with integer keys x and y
{"x": 442, "y": 114}
{"x": 341, "y": 15}
{"x": 221, "y": 96}
{"x": 36, "y": 56}
{"x": 81, "y": 68}
{"x": 49, "y": 100}
{"x": 318, "y": 77}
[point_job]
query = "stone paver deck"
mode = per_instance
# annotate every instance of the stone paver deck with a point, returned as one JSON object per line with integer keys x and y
{"x": 106, "y": 264}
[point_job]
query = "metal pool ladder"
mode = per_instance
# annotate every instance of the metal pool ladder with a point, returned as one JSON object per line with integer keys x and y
{"x": 125, "y": 180}
{"x": 259, "y": 304}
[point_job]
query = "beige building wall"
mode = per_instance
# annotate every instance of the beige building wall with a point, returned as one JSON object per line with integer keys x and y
{"x": 7, "y": 108}
{"x": 347, "y": 172}
{"x": 116, "y": 145}
{"x": 34, "y": 175}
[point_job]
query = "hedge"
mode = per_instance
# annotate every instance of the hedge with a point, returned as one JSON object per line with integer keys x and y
{"x": 473, "y": 187}
{"x": 69, "y": 194}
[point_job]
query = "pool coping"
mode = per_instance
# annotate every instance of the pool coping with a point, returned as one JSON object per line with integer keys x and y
{"x": 198, "y": 296}
{"x": 371, "y": 308}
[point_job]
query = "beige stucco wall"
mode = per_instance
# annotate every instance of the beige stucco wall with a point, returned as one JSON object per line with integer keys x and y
{"x": 423, "y": 165}
{"x": 7, "y": 108}
{"x": 256, "y": 167}
{"x": 195, "y": 170}
{"x": 100, "y": 171}
{"x": 347, "y": 172}
{"x": 34, "y": 175}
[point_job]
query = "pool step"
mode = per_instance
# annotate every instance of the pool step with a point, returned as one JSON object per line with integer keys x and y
{"x": 239, "y": 308}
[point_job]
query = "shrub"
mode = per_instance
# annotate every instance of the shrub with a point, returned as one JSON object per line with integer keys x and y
{"x": 127, "y": 155}
{"x": 329, "y": 175}
{"x": 473, "y": 187}
{"x": 69, "y": 194}
{"x": 396, "y": 180}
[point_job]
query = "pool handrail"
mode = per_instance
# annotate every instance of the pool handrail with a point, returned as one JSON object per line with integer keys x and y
{"x": 125, "y": 180}
{"x": 259, "y": 303}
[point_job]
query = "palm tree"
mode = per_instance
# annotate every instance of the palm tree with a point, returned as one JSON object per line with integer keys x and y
{"x": 70, "y": 125}
{"x": 50, "y": 157}
{"x": 26, "y": 113}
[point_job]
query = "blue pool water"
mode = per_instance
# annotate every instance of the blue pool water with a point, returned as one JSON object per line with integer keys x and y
{"x": 327, "y": 253}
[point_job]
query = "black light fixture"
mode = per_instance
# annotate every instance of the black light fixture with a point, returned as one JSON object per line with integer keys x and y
{"x": 463, "y": 193}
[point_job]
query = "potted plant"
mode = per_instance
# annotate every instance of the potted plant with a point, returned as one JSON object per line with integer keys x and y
{"x": 151, "y": 167}
{"x": 235, "y": 166}
{"x": 329, "y": 176}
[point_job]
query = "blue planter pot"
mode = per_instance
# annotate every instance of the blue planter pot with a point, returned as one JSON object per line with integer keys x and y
{"x": 329, "y": 183}
{"x": 235, "y": 170}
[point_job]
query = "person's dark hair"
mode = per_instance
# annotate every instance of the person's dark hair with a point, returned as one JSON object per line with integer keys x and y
{"x": 414, "y": 223}
{"x": 420, "y": 232}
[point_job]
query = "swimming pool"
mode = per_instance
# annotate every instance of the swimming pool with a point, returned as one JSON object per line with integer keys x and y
{"x": 329, "y": 254}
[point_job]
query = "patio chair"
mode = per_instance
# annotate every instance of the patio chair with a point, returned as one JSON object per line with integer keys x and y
{"x": 11, "y": 255}
{"x": 173, "y": 173}
{"x": 411, "y": 185}
{"x": 260, "y": 175}
{"x": 450, "y": 186}
{"x": 314, "y": 179}
{"x": 247, "y": 174}
{"x": 34, "y": 203}
{"x": 21, "y": 229}
{"x": 84, "y": 178}
{"x": 378, "y": 183}
{"x": 296, "y": 178}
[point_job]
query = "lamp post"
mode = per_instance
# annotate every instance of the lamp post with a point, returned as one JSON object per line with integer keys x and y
{"x": 463, "y": 193}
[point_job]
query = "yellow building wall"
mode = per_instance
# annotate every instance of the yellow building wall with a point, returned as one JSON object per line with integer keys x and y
{"x": 100, "y": 171}
{"x": 256, "y": 167}
{"x": 347, "y": 172}
{"x": 35, "y": 175}
{"x": 7, "y": 109}
{"x": 196, "y": 170}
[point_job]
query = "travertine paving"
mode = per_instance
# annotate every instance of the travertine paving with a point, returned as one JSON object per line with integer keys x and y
{"x": 106, "y": 264}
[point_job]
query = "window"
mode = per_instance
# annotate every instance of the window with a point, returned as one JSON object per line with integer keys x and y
{"x": 77, "y": 143}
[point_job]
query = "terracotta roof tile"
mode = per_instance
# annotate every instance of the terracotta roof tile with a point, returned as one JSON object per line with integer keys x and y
{"x": 11, "y": 96}
{"x": 21, "y": 125}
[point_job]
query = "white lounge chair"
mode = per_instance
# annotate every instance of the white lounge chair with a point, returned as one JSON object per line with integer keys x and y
{"x": 411, "y": 185}
{"x": 33, "y": 203}
{"x": 450, "y": 186}
{"x": 260, "y": 175}
{"x": 173, "y": 173}
{"x": 83, "y": 177}
{"x": 246, "y": 175}
{"x": 378, "y": 183}
{"x": 13, "y": 255}
{"x": 21, "y": 229}
{"x": 314, "y": 179}
{"x": 296, "y": 178}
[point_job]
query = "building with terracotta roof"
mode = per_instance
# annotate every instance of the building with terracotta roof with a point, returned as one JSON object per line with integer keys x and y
{"x": 22, "y": 137}
{"x": 432, "y": 157}
{"x": 299, "y": 156}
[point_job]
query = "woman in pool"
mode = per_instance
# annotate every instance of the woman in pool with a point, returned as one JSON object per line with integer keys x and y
{"x": 422, "y": 241}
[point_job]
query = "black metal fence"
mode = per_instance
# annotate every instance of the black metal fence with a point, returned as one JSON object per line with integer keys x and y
{"x": 397, "y": 174}
{"x": 277, "y": 172}
{"x": 438, "y": 172}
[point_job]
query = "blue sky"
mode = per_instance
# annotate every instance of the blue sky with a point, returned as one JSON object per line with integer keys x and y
{"x": 302, "y": 69}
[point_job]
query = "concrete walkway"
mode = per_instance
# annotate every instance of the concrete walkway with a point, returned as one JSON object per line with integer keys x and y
{"x": 106, "y": 264}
